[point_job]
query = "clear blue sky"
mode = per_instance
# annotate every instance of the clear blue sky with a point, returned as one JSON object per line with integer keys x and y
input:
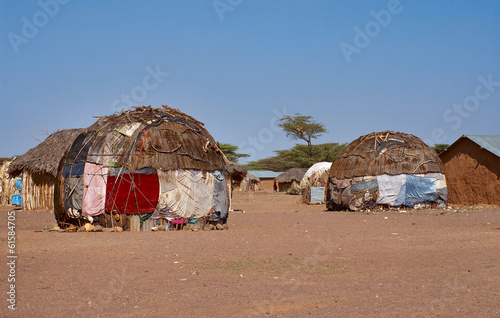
{"x": 355, "y": 66}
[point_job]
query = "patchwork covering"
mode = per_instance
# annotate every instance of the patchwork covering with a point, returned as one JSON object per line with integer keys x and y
{"x": 390, "y": 190}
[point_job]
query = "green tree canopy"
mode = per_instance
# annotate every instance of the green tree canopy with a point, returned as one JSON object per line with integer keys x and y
{"x": 302, "y": 127}
{"x": 230, "y": 152}
{"x": 440, "y": 147}
{"x": 297, "y": 157}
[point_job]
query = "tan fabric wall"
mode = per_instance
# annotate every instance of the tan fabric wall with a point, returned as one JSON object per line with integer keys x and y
{"x": 472, "y": 174}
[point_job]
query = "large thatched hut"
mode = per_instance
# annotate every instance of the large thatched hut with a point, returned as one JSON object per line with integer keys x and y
{"x": 141, "y": 167}
{"x": 388, "y": 169}
{"x": 38, "y": 168}
{"x": 289, "y": 181}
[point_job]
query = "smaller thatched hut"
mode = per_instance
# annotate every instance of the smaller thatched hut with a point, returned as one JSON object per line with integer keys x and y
{"x": 236, "y": 171}
{"x": 386, "y": 169}
{"x": 249, "y": 183}
{"x": 314, "y": 183}
{"x": 289, "y": 181}
{"x": 38, "y": 168}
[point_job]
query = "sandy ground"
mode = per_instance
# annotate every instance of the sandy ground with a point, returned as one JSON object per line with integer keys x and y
{"x": 279, "y": 259}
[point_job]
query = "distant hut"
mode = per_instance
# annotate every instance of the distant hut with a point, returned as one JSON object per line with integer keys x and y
{"x": 249, "y": 183}
{"x": 143, "y": 167}
{"x": 38, "y": 168}
{"x": 236, "y": 171}
{"x": 237, "y": 174}
{"x": 267, "y": 179}
{"x": 386, "y": 168}
{"x": 472, "y": 165}
{"x": 314, "y": 183}
{"x": 289, "y": 181}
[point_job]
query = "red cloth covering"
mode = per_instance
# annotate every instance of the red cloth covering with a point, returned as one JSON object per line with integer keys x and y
{"x": 121, "y": 193}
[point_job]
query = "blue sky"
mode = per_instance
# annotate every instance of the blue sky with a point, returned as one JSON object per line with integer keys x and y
{"x": 429, "y": 68}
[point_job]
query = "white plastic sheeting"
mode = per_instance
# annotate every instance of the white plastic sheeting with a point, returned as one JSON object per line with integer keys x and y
{"x": 317, "y": 167}
{"x": 192, "y": 195}
{"x": 391, "y": 189}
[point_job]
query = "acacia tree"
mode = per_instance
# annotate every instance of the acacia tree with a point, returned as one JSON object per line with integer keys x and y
{"x": 302, "y": 127}
{"x": 297, "y": 157}
{"x": 230, "y": 152}
{"x": 440, "y": 147}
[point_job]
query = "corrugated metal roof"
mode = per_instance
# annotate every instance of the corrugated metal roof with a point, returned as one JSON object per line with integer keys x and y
{"x": 265, "y": 173}
{"x": 488, "y": 142}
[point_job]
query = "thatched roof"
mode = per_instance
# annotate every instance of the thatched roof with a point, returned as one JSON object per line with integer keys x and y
{"x": 145, "y": 137}
{"x": 294, "y": 174}
{"x": 44, "y": 158}
{"x": 236, "y": 171}
{"x": 386, "y": 152}
{"x": 252, "y": 178}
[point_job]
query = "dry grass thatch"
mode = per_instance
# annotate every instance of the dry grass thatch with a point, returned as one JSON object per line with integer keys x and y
{"x": 252, "y": 178}
{"x": 45, "y": 158}
{"x": 385, "y": 152}
{"x": 160, "y": 138}
{"x": 236, "y": 171}
{"x": 294, "y": 174}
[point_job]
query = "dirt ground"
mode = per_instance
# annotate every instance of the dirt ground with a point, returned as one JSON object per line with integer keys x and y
{"x": 278, "y": 259}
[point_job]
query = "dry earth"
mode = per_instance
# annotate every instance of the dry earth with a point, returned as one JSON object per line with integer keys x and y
{"x": 279, "y": 259}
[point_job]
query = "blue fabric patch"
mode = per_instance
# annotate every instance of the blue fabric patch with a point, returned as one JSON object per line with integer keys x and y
{"x": 16, "y": 199}
{"x": 363, "y": 185}
{"x": 400, "y": 199}
{"x": 74, "y": 170}
{"x": 419, "y": 190}
{"x": 19, "y": 184}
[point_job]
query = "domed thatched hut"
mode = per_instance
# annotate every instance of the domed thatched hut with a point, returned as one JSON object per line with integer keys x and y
{"x": 386, "y": 168}
{"x": 142, "y": 165}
